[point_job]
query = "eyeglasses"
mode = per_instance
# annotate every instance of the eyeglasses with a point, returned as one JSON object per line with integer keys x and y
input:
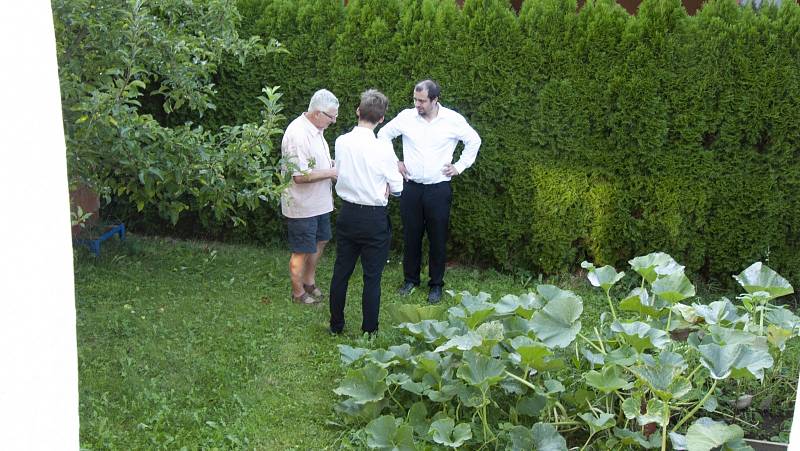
{"x": 333, "y": 118}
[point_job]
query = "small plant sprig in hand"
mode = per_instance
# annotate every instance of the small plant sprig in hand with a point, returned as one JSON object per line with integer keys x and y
{"x": 523, "y": 373}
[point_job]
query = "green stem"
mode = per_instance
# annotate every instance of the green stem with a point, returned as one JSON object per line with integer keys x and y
{"x": 665, "y": 420}
{"x": 669, "y": 319}
{"x": 611, "y": 304}
{"x": 696, "y": 407}
{"x": 591, "y": 434}
{"x": 761, "y": 321}
{"x": 521, "y": 380}
{"x": 694, "y": 371}
{"x": 599, "y": 339}
{"x": 591, "y": 343}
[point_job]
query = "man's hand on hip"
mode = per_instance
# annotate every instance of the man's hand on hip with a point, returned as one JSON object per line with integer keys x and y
{"x": 403, "y": 171}
{"x": 449, "y": 170}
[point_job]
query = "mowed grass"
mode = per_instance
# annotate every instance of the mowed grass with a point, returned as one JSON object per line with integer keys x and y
{"x": 197, "y": 345}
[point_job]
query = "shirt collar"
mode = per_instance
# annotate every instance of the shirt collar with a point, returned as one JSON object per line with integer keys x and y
{"x": 309, "y": 125}
{"x": 364, "y": 131}
{"x": 442, "y": 111}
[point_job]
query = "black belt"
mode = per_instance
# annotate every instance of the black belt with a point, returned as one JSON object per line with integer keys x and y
{"x": 363, "y": 207}
{"x": 427, "y": 184}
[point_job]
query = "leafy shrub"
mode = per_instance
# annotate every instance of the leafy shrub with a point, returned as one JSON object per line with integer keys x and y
{"x": 524, "y": 373}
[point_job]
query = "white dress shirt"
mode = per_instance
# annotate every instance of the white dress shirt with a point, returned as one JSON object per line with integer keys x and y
{"x": 428, "y": 146}
{"x": 365, "y": 165}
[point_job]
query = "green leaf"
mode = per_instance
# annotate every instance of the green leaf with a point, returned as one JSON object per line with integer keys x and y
{"x": 430, "y": 331}
{"x": 632, "y": 407}
{"x": 534, "y": 355}
{"x": 414, "y": 313}
{"x": 604, "y": 277}
{"x": 531, "y": 405}
{"x": 718, "y": 312}
{"x": 365, "y": 384}
{"x": 759, "y": 277}
{"x": 706, "y": 434}
{"x": 636, "y": 438}
{"x": 607, "y": 380}
{"x": 443, "y": 432}
{"x": 547, "y": 438}
{"x": 462, "y": 342}
{"x": 653, "y": 265}
{"x": 598, "y": 422}
{"x": 383, "y": 433}
{"x": 723, "y": 361}
{"x": 418, "y": 418}
{"x": 641, "y": 335}
{"x": 777, "y": 336}
{"x": 640, "y": 301}
{"x": 349, "y": 354}
{"x": 729, "y": 336}
{"x": 479, "y": 370}
{"x": 557, "y": 325}
{"x": 523, "y": 306}
{"x": 664, "y": 375}
{"x": 673, "y": 287}
{"x": 783, "y": 318}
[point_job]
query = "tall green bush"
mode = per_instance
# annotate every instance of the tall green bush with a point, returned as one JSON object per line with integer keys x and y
{"x": 605, "y": 135}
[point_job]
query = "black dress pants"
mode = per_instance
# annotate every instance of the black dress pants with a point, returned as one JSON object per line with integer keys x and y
{"x": 425, "y": 208}
{"x": 361, "y": 231}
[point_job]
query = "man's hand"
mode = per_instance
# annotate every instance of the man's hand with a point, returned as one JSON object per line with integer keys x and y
{"x": 449, "y": 170}
{"x": 403, "y": 171}
{"x": 334, "y": 173}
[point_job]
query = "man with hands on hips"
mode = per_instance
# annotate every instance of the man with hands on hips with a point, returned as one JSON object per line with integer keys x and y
{"x": 430, "y": 134}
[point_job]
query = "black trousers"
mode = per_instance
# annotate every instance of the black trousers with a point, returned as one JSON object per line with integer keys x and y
{"x": 425, "y": 208}
{"x": 364, "y": 232}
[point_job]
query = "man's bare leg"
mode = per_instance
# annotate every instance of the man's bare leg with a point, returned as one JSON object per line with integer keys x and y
{"x": 310, "y": 270}
{"x": 297, "y": 263}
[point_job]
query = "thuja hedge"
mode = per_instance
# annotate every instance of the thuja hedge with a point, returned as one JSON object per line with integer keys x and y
{"x": 605, "y": 135}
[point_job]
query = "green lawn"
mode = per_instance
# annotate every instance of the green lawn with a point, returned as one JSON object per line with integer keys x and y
{"x": 197, "y": 345}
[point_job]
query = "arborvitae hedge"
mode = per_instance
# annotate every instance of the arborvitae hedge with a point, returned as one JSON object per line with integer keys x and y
{"x": 605, "y": 135}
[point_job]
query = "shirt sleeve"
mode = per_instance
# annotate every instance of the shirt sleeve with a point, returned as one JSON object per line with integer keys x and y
{"x": 391, "y": 130}
{"x": 295, "y": 150}
{"x": 472, "y": 142}
{"x": 390, "y": 170}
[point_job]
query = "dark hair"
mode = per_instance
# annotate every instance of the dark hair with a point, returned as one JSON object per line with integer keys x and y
{"x": 429, "y": 85}
{"x": 373, "y": 106}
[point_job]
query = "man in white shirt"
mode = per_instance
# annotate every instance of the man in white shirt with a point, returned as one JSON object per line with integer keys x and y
{"x": 367, "y": 174}
{"x": 430, "y": 135}
{"x": 308, "y": 202}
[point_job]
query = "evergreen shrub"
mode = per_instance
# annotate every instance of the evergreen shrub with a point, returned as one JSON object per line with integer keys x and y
{"x": 605, "y": 135}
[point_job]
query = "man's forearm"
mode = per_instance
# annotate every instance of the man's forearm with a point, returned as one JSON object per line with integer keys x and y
{"x": 315, "y": 175}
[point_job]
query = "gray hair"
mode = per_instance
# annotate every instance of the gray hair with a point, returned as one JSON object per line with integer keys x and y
{"x": 323, "y": 100}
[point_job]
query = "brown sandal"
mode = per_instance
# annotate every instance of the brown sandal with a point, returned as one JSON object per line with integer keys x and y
{"x": 304, "y": 299}
{"x": 313, "y": 290}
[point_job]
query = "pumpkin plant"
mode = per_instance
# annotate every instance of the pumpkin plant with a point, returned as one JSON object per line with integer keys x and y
{"x": 525, "y": 373}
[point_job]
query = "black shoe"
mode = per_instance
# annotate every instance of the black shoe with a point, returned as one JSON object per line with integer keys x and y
{"x": 435, "y": 295}
{"x": 406, "y": 289}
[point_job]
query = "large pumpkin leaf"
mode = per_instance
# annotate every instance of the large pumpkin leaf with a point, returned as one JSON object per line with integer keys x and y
{"x": 760, "y": 277}
{"x": 627, "y": 437}
{"x": 349, "y": 354}
{"x": 383, "y": 433}
{"x": 777, "y": 336}
{"x": 673, "y": 287}
{"x": 640, "y": 301}
{"x": 607, "y": 380}
{"x": 464, "y": 342}
{"x": 641, "y": 335}
{"x": 604, "y": 277}
{"x": 430, "y": 331}
{"x": 479, "y": 370}
{"x": 414, "y": 313}
{"x": 666, "y": 382}
{"x": 783, "y": 318}
{"x": 547, "y": 438}
{"x": 729, "y": 336}
{"x": 532, "y": 354}
{"x": 523, "y": 306}
{"x": 365, "y": 384}
{"x": 653, "y": 265}
{"x": 722, "y": 361}
{"x": 718, "y": 312}
{"x": 557, "y": 325}
{"x": 445, "y": 432}
{"x": 598, "y": 422}
{"x": 706, "y": 434}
